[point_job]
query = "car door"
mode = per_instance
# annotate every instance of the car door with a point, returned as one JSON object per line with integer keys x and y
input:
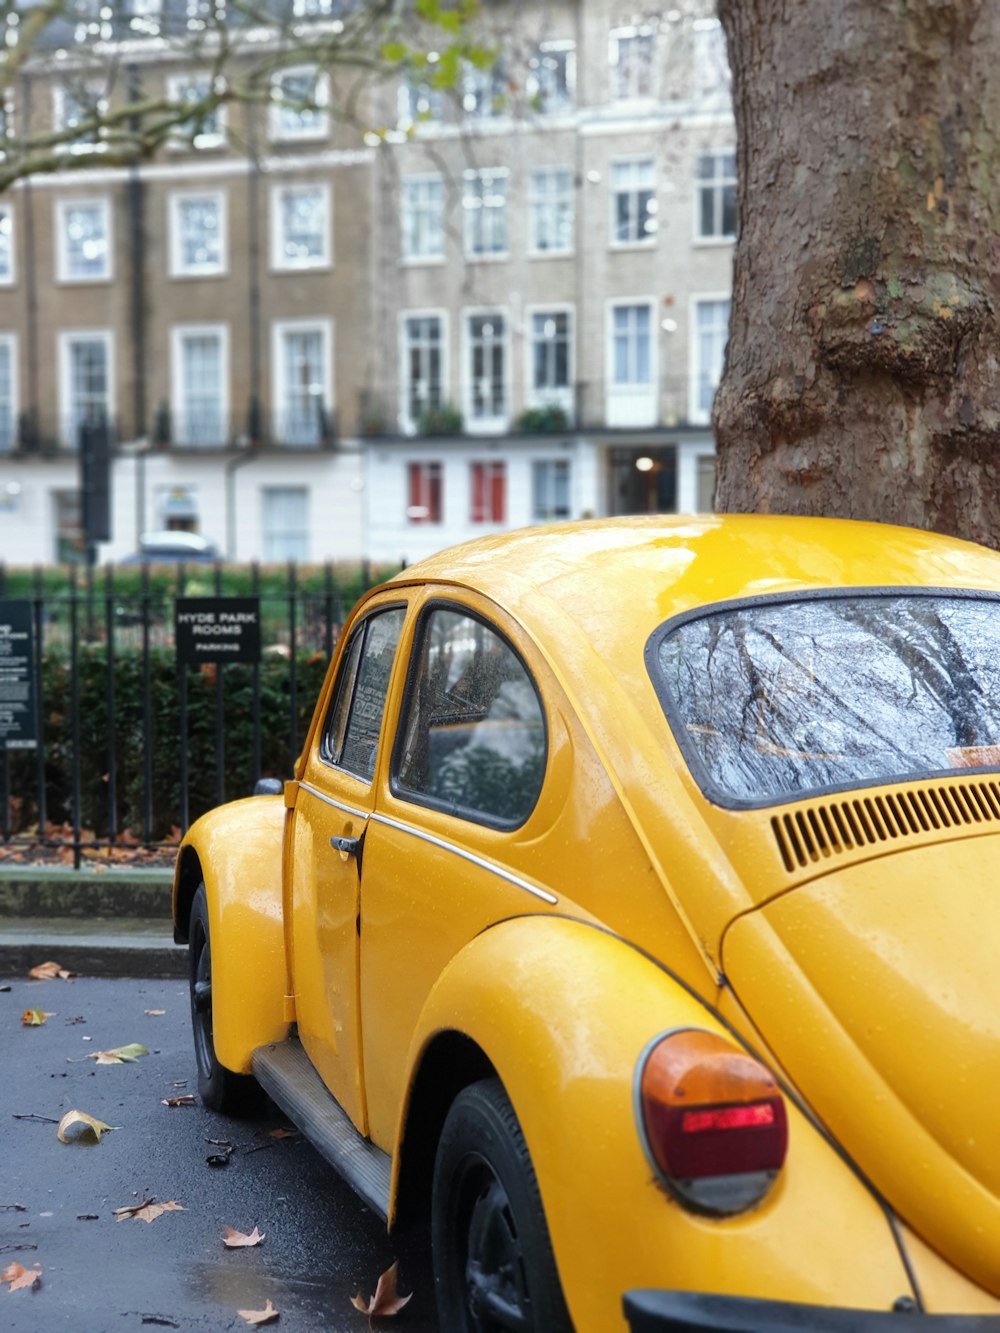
{"x": 333, "y": 806}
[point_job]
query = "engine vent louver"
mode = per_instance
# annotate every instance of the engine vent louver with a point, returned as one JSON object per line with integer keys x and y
{"x": 808, "y": 836}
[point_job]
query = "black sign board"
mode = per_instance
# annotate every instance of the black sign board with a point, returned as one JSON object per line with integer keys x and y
{"x": 18, "y": 715}
{"x": 217, "y": 629}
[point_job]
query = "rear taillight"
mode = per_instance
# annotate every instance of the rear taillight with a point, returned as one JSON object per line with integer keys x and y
{"x": 712, "y": 1121}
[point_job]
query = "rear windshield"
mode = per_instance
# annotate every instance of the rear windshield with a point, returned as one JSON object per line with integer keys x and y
{"x": 775, "y": 699}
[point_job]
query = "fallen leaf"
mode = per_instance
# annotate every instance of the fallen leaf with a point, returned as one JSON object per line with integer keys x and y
{"x": 235, "y": 1240}
{"x": 155, "y": 1013}
{"x": 18, "y": 1276}
{"x": 220, "y": 1158}
{"x": 266, "y": 1316}
{"x": 284, "y": 1133}
{"x": 185, "y": 1099}
{"x": 34, "y": 1018}
{"x": 49, "y": 972}
{"x": 120, "y": 1055}
{"x": 386, "y": 1300}
{"x": 147, "y": 1211}
{"x": 91, "y": 1128}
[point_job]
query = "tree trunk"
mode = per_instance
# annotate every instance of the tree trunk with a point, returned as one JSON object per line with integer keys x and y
{"x": 863, "y": 368}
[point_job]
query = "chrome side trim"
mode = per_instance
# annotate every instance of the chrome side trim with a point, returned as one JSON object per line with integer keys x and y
{"x": 328, "y": 800}
{"x": 499, "y": 871}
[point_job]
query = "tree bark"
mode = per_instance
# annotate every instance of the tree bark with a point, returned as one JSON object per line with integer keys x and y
{"x": 862, "y": 374}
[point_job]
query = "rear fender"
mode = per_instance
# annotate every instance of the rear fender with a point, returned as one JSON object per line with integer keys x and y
{"x": 237, "y": 851}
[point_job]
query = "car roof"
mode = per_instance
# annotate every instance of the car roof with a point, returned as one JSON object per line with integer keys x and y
{"x": 641, "y": 571}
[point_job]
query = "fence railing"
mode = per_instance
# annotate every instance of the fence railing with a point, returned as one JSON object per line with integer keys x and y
{"x": 131, "y": 744}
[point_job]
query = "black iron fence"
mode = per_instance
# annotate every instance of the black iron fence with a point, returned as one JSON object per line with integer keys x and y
{"x": 128, "y": 743}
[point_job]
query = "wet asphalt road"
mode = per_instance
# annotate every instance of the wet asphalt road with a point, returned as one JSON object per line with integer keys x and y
{"x": 100, "y": 1275}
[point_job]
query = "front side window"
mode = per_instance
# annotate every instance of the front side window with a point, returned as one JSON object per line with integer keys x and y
{"x": 298, "y": 104}
{"x": 711, "y": 334}
{"x": 300, "y": 226}
{"x": 630, "y": 53}
{"x": 484, "y": 199}
{"x": 6, "y": 245}
{"x": 423, "y": 367}
{"x": 488, "y": 492}
{"x": 472, "y": 740}
{"x": 423, "y": 218}
{"x": 424, "y": 493}
{"x": 84, "y": 249}
{"x": 633, "y": 201}
{"x": 716, "y": 194}
{"x": 774, "y": 700}
{"x": 351, "y": 732}
{"x": 198, "y": 234}
{"x": 200, "y": 386}
{"x": 487, "y": 367}
{"x": 550, "y": 203}
{"x": 285, "y": 523}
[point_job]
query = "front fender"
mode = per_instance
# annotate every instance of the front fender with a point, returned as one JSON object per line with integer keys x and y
{"x": 237, "y": 850}
{"x": 562, "y": 1010}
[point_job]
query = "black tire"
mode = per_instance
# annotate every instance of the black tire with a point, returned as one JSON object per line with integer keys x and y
{"x": 218, "y": 1087}
{"x": 493, "y": 1262}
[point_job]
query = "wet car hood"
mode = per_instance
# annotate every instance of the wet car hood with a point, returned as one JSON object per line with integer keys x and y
{"x": 878, "y": 989}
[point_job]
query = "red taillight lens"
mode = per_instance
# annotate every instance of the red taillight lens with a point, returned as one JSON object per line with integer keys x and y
{"x": 713, "y": 1121}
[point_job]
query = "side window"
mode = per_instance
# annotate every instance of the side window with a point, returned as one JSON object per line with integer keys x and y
{"x": 473, "y": 735}
{"x": 350, "y": 736}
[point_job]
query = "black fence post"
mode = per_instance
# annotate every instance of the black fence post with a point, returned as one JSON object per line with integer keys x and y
{"x": 40, "y": 729}
{"x": 255, "y": 670}
{"x": 74, "y": 704}
{"x": 293, "y": 703}
{"x": 182, "y": 689}
{"x": 220, "y": 735}
{"x": 147, "y": 711}
{"x": 109, "y": 634}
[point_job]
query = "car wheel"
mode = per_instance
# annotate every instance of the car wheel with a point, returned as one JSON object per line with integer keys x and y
{"x": 218, "y": 1087}
{"x": 493, "y": 1262}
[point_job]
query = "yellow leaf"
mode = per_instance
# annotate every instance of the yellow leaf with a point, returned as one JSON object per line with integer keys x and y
{"x": 119, "y": 1055}
{"x": 89, "y": 1128}
{"x": 18, "y": 1276}
{"x": 147, "y": 1211}
{"x": 266, "y": 1316}
{"x": 387, "y": 1300}
{"x": 235, "y": 1240}
{"x": 34, "y": 1018}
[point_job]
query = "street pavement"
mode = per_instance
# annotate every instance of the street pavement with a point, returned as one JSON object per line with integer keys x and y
{"x": 100, "y": 1275}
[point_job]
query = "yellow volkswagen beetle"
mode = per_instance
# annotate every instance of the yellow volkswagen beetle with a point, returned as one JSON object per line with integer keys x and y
{"x": 634, "y": 907}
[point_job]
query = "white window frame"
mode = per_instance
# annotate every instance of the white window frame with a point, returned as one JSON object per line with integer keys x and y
{"x": 9, "y": 278}
{"x": 475, "y": 205}
{"x": 549, "y": 202}
{"x": 634, "y": 160}
{"x": 719, "y": 182}
{"x": 9, "y": 341}
{"x": 279, "y": 414}
{"x": 696, "y": 413}
{"x": 265, "y": 531}
{"x": 178, "y": 389}
{"x": 496, "y": 422}
{"x": 538, "y": 515}
{"x": 175, "y": 200}
{"x": 616, "y": 38}
{"x": 689, "y": 455}
{"x": 555, "y": 396}
{"x": 535, "y": 84}
{"x": 631, "y": 403}
{"x": 65, "y": 340}
{"x": 280, "y": 262}
{"x": 280, "y": 130}
{"x": 419, "y": 183}
{"x": 62, "y": 208}
{"x": 177, "y": 84}
{"x": 407, "y": 423}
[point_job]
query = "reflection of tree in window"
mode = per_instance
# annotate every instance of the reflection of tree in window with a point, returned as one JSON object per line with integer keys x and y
{"x": 351, "y": 738}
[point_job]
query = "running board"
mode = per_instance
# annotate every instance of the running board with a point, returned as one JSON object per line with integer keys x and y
{"x": 287, "y": 1075}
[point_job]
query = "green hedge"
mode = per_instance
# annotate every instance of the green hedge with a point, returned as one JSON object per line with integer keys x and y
{"x": 165, "y": 739}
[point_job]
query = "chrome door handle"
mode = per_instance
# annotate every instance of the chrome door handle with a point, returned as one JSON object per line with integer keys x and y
{"x": 348, "y": 845}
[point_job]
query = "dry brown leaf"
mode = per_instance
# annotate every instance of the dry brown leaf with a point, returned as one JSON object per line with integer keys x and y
{"x": 235, "y": 1240}
{"x": 155, "y": 1013}
{"x": 186, "y": 1099}
{"x": 284, "y": 1133}
{"x": 119, "y": 1055}
{"x": 18, "y": 1276}
{"x": 387, "y": 1300}
{"x": 34, "y": 1018}
{"x": 49, "y": 971}
{"x": 147, "y": 1211}
{"x": 90, "y": 1128}
{"x": 266, "y": 1316}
